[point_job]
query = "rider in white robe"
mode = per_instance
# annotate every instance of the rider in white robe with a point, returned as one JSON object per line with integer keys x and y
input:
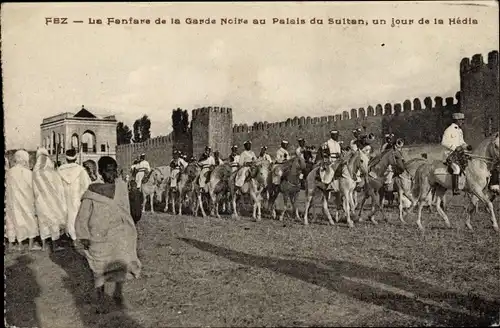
{"x": 206, "y": 162}
{"x": 246, "y": 157}
{"x": 142, "y": 169}
{"x": 234, "y": 159}
{"x": 177, "y": 164}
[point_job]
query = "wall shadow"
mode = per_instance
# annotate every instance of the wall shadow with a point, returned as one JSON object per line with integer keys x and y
{"x": 22, "y": 289}
{"x": 80, "y": 283}
{"x": 333, "y": 279}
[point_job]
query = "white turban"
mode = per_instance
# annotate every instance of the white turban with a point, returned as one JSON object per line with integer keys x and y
{"x": 21, "y": 157}
{"x": 41, "y": 151}
{"x": 43, "y": 160}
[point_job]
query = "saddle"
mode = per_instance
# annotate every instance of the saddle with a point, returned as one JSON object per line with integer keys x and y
{"x": 461, "y": 158}
{"x": 444, "y": 170}
{"x": 337, "y": 171}
{"x": 250, "y": 174}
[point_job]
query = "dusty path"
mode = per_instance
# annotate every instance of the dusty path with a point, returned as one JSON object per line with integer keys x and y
{"x": 240, "y": 273}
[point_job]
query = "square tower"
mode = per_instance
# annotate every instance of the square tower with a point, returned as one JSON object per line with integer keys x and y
{"x": 479, "y": 96}
{"x": 212, "y": 126}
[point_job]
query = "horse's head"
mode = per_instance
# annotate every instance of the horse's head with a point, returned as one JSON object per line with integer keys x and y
{"x": 277, "y": 174}
{"x": 495, "y": 148}
{"x": 261, "y": 170}
{"x": 391, "y": 156}
{"x": 192, "y": 170}
{"x": 359, "y": 160}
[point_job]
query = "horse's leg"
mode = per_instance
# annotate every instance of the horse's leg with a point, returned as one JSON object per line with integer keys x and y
{"x": 479, "y": 193}
{"x": 338, "y": 201}
{"x": 439, "y": 197}
{"x": 401, "y": 194}
{"x": 376, "y": 206}
{"x": 166, "y": 200}
{"x": 294, "y": 205}
{"x": 285, "y": 206}
{"x": 425, "y": 193}
{"x": 471, "y": 209}
{"x": 235, "y": 211}
{"x": 144, "y": 199}
{"x": 213, "y": 196}
{"x": 272, "y": 201}
{"x": 151, "y": 199}
{"x": 326, "y": 211}
{"x": 362, "y": 205}
{"x": 200, "y": 203}
{"x": 181, "y": 201}
{"x": 354, "y": 197}
{"x": 352, "y": 202}
{"x": 309, "y": 196}
{"x": 254, "y": 205}
{"x": 347, "y": 209}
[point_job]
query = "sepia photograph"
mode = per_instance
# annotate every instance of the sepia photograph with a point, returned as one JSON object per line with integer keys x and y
{"x": 251, "y": 164}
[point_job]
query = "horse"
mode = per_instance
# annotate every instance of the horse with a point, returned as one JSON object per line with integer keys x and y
{"x": 285, "y": 179}
{"x": 168, "y": 186}
{"x": 150, "y": 184}
{"x": 340, "y": 177}
{"x": 434, "y": 177}
{"x": 373, "y": 182}
{"x": 187, "y": 183}
{"x": 252, "y": 180}
{"x": 217, "y": 185}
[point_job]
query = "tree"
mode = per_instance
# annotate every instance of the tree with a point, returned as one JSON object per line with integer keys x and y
{"x": 123, "y": 134}
{"x": 177, "y": 122}
{"x": 181, "y": 130}
{"x": 142, "y": 129}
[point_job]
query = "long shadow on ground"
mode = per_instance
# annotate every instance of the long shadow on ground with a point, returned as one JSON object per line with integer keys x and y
{"x": 336, "y": 278}
{"x": 80, "y": 283}
{"x": 22, "y": 289}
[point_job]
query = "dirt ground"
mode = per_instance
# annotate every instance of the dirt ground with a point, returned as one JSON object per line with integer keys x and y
{"x": 226, "y": 272}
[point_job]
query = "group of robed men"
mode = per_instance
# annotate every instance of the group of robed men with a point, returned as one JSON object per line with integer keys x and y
{"x": 88, "y": 202}
{"x": 452, "y": 140}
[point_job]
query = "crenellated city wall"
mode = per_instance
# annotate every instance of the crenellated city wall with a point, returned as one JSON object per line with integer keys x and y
{"x": 419, "y": 122}
{"x": 158, "y": 151}
{"x": 415, "y": 121}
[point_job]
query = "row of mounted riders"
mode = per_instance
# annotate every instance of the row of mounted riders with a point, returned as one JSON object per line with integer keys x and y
{"x": 263, "y": 180}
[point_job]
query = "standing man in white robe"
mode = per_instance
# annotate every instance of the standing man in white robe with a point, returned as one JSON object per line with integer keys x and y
{"x": 50, "y": 202}
{"x": 20, "y": 219}
{"x": 75, "y": 181}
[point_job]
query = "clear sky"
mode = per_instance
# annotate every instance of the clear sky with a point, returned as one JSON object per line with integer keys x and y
{"x": 264, "y": 72}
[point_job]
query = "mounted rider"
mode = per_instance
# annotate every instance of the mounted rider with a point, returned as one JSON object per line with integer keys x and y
{"x": 143, "y": 168}
{"x": 354, "y": 142}
{"x": 389, "y": 140}
{"x": 247, "y": 157}
{"x": 301, "y": 148}
{"x": 333, "y": 145}
{"x": 133, "y": 167}
{"x": 364, "y": 141}
{"x": 264, "y": 155}
{"x": 177, "y": 164}
{"x": 453, "y": 141}
{"x": 234, "y": 158}
{"x": 218, "y": 161}
{"x": 206, "y": 162}
{"x": 282, "y": 154}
